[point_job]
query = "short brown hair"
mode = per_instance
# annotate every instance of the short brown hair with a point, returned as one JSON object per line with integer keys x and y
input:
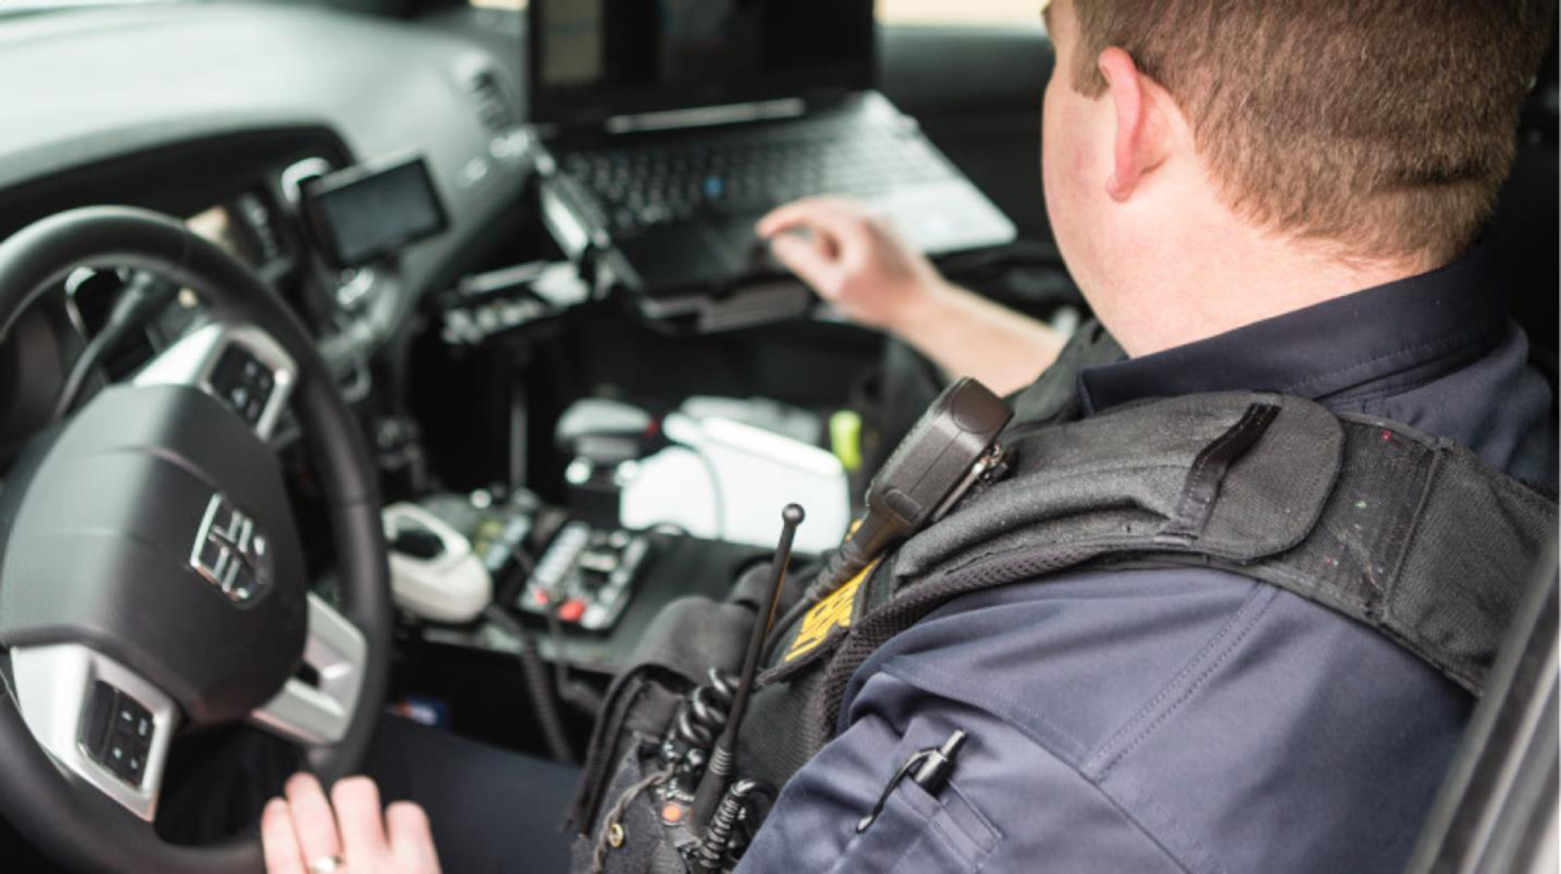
{"x": 1383, "y": 125}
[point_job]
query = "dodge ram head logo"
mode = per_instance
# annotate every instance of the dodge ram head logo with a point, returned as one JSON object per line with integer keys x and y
{"x": 228, "y": 552}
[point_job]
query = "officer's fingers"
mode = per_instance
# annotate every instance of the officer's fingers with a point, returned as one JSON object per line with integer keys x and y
{"x": 788, "y": 217}
{"x": 838, "y": 218}
{"x": 411, "y": 840}
{"x": 810, "y": 261}
{"x": 278, "y": 840}
{"x": 849, "y": 234}
{"x": 871, "y": 249}
{"x": 862, "y": 242}
{"x": 362, "y": 825}
{"x": 313, "y": 821}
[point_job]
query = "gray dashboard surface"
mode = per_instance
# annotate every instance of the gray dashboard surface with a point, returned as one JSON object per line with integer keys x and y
{"x": 84, "y": 86}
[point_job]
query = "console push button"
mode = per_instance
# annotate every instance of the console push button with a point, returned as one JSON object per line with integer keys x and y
{"x": 571, "y": 610}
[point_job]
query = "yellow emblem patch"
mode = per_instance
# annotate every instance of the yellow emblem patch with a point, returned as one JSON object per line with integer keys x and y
{"x": 835, "y": 611}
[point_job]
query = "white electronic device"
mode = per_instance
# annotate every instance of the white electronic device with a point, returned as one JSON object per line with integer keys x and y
{"x": 727, "y": 480}
{"x": 433, "y": 572}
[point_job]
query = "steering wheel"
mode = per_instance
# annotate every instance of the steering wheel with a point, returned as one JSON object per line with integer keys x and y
{"x": 152, "y": 578}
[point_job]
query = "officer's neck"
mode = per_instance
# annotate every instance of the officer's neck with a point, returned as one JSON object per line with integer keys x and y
{"x": 1207, "y": 277}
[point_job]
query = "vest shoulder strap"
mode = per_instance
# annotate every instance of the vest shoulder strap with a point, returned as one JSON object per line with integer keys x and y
{"x": 1055, "y": 395}
{"x": 1411, "y": 535}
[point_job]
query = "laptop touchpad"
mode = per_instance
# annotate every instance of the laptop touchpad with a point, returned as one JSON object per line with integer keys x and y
{"x": 682, "y": 255}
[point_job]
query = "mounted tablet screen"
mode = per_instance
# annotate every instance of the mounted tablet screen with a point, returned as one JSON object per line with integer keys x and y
{"x": 367, "y": 212}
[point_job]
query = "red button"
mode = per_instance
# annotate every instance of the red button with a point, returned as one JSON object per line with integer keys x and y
{"x": 571, "y": 610}
{"x": 539, "y": 596}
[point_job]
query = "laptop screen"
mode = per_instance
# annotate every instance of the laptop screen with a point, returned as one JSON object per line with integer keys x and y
{"x": 592, "y": 59}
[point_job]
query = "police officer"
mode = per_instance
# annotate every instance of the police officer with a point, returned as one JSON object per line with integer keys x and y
{"x": 1283, "y": 197}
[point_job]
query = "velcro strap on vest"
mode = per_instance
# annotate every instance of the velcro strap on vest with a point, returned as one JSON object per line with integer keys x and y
{"x": 1148, "y": 476}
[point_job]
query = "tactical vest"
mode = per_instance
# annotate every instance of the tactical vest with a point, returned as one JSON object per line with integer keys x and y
{"x": 1409, "y": 534}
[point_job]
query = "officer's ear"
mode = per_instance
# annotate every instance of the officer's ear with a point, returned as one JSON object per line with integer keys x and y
{"x": 1144, "y": 138}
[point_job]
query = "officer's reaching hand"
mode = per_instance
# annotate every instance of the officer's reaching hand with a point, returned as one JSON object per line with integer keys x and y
{"x": 855, "y": 261}
{"x": 303, "y": 835}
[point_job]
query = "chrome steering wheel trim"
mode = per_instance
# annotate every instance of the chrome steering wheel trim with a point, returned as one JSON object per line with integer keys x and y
{"x": 55, "y": 690}
{"x": 194, "y": 361}
{"x": 319, "y": 713}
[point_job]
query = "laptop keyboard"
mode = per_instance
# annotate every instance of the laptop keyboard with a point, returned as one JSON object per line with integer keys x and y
{"x": 744, "y": 174}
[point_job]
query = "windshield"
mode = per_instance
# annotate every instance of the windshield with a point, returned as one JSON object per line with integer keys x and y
{"x": 9, "y": 7}
{"x": 910, "y": 11}
{"x": 889, "y": 11}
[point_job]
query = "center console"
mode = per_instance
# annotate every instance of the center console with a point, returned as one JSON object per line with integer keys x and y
{"x": 585, "y": 576}
{"x": 542, "y": 562}
{"x": 588, "y": 591}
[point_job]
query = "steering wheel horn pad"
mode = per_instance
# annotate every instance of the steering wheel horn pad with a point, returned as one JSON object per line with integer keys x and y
{"x": 136, "y": 536}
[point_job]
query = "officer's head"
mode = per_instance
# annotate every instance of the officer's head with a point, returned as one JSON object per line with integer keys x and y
{"x": 1359, "y": 131}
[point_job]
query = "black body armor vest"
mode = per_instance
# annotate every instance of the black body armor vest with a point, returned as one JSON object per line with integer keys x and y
{"x": 1409, "y": 534}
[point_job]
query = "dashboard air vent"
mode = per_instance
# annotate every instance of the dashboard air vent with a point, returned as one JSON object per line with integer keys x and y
{"x": 493, "y": 109}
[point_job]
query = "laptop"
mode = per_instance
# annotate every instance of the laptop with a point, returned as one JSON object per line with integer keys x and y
{"x": 665, "y": 129}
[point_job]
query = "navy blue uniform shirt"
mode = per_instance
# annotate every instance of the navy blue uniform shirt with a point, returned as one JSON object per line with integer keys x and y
{"x": 1185, "y": 720}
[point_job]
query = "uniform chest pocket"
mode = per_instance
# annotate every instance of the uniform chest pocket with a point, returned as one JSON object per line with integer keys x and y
{"x": 919, "y": 832}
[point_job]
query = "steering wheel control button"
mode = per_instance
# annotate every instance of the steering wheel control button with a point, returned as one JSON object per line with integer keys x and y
{"x": 117, "y": 755}
{"x": 99, "y": 721}
{"x": 243, "y": 382}
{"x": 229, "y": 552}
{"x": 117, "y": 732}
{"x": 126, "y": 758}
{"x": 131, "y": 718}
{"x": 135, "y": 766}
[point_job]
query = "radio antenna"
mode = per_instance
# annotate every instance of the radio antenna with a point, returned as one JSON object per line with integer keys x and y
{"x": 718, "y": 773}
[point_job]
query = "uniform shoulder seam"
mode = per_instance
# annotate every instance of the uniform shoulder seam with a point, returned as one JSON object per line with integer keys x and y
{"x": 1184, "y": 685}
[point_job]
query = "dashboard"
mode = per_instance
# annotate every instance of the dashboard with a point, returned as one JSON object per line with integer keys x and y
{"x": 219, "y": 113}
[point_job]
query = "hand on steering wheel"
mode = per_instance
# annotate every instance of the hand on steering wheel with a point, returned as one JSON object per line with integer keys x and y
{"x": 302, "y": 835}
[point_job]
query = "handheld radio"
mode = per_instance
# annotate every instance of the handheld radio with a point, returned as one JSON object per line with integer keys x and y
{"x": 951, "y": 447}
